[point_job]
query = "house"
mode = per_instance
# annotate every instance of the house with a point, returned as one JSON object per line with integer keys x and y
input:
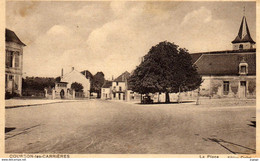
{"x": 116, "y": 89}
{"x": 13, "y": 63}
{"x": 106, "y": 90}
{"x": 229, "y": 73}
{"x": 119, "y": 86}
{"x": 75, "y": 76}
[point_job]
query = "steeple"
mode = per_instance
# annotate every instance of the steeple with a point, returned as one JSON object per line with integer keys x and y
{"x": 243, "y": 39}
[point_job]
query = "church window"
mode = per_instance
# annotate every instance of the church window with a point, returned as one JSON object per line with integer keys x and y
{"x": 225, "y": 87}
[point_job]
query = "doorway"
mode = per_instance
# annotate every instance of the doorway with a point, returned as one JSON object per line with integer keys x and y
{"x": 242, "y": 89}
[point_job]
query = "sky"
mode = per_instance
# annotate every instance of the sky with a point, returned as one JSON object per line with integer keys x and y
{"x": 112, "y": 36}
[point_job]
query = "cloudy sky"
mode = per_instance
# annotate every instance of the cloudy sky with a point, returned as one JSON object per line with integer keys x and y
{"x": 112, "y": 36}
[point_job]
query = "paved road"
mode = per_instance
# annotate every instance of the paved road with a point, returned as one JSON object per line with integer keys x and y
{"x": 96, "y": 126}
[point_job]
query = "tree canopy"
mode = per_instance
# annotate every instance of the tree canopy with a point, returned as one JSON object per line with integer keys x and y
{"x": 77, "y": 87}
{"x": 97, "y": 82}
{"x": 166, "y": 68}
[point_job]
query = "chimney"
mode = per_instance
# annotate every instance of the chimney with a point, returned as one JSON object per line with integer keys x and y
{"x": 61, "y": 72}
{"x": 72, "y": 68}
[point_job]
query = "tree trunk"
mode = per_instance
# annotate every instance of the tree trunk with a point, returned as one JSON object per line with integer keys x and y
{"x": 141, "y": 98}
{"x": 179, "y": 96}
{"x": 167, "y": 97}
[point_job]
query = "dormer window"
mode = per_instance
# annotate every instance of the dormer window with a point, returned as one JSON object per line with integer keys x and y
{"x": 243, "y": 67}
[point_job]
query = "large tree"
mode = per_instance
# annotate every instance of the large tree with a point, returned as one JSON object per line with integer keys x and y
{"x": 166, "y": 68}
{"x": 97, "y": 82}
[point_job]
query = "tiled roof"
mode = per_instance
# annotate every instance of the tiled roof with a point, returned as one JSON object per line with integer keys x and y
{"x": 122, "y": 77}
{"x": 107, "y": 84}
{"x": 10, "y": 36}
{"x": 225, "y": 64}
{"x": 195, "y": 57}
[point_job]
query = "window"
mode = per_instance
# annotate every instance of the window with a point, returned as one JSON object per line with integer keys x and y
{"x": 117, "y": 83}
{"x": 114, "y": 95}
{"x": 120, "y": 89}
{"x": 16, "y": 63}
{"x": 9, "y": 59}
{"x": 11, "y": 77}
{"x": 225, "y": 87}
{"x": 243, "y": 69}
{"x": 240, "y": 46}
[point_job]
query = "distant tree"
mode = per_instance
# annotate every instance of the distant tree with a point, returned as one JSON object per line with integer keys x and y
{"x": 87, "y": 74}
{"x": 98, "y": 81}
{"x": 77, "y": 87}
{"x": 166, "y": 68}
{"x": 58, "y": 79}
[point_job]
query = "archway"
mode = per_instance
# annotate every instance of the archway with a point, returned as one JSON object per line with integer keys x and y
{"x": 62, "y": 93}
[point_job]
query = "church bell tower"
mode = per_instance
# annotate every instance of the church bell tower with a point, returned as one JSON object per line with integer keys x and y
{"x": 243, "y": 39}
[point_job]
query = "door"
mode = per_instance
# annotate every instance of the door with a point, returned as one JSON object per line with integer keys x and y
{"x": 242, "y": 89}
{"x": 10, "y": 86}
{"x": 62, "y": 93}
{"x": 119, "y": 96}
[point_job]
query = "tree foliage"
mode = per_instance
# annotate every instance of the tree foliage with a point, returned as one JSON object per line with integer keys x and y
{"x": 97, "y": 82}
{"x": 37, "y": 83}
{"x": 77, "y": 87}
{"x": 166, "y": 68}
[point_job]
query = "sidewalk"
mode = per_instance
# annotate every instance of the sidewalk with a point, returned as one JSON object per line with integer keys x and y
{"x": 14, "y": 103}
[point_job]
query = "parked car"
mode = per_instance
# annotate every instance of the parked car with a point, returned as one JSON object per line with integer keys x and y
{"x": 147, "y": 100}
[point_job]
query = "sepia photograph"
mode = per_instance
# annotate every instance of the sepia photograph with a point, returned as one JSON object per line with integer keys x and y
{"x": 130, "y": 77}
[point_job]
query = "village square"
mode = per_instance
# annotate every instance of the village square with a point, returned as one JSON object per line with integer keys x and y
{"x": 170, "y": 101}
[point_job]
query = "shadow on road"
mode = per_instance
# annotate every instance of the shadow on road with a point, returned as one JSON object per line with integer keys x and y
{"x": 157, "y": 103}
{"x": 8, "y": 129}
{"x": 253, "y": 124}
{"x": 230, "y": 146}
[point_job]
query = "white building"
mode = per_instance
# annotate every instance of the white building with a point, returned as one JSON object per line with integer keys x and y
{"x": 13, "y": 63}
{"x": 75, "y": 76}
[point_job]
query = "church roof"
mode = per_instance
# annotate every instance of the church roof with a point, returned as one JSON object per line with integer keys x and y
{"x": 225, "y": 64}
{"x": 243, "y": 33}
{"x": 10, "y": 36}
{"x": 122, "y": 77}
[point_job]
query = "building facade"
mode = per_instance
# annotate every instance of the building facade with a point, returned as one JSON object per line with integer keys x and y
{"x": 230, "y": 73}
{"x": 117, "y": 89}
{"x": 13, "y": 63}
{"x": 75, "y": 76}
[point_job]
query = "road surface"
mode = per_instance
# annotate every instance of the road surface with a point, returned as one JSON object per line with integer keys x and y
{"x": 113, "y": 127}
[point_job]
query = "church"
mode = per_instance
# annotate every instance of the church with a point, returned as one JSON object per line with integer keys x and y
{"x": 229, "y": 73}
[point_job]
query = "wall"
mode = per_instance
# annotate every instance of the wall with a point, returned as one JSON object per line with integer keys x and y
{"x": 16, "y": 72}
{"x": 104, "y": 92}
{"x": 214, "y": 86}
